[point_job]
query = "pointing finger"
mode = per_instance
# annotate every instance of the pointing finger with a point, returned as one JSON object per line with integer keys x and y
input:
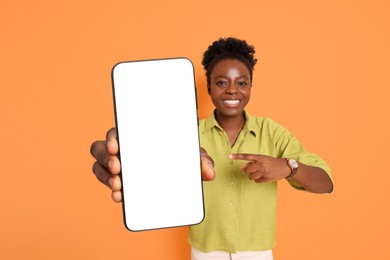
{"x": 244, "y": 156}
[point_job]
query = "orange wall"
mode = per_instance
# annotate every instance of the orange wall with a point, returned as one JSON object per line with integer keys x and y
{"x": 323, "y": 72}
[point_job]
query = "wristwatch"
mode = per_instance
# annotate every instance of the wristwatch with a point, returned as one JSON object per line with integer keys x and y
{"x": 293, "y": 166}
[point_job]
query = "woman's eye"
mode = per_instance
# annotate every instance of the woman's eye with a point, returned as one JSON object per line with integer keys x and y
{"x": 242, "y": 84}
{"x": 221, "y": 83}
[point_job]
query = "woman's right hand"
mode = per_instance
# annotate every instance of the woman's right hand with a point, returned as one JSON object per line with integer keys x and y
{"x": 107, "y": 165}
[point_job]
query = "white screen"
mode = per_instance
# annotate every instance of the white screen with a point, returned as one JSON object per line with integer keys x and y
{"x": 157, "y": 124}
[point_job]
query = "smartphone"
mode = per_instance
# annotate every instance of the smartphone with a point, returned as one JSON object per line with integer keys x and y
{"x": 156, "y": 119}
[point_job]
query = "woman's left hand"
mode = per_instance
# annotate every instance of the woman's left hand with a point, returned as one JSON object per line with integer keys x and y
{"x": 263, "y": 168}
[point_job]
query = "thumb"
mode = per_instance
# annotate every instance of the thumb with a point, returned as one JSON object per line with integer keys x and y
{"x": 207, "y": 168}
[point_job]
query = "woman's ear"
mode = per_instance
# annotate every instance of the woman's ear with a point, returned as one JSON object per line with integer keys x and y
{"x": 208, "y": 89}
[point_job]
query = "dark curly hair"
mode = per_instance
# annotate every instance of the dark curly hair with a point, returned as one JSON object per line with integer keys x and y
{"x": 228, "y": 48}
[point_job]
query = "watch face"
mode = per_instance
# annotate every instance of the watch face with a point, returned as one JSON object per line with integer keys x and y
{"x": 293, "y": 163}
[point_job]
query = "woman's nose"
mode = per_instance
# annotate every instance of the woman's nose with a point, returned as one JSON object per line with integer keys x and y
{"x": 231, "y": 89}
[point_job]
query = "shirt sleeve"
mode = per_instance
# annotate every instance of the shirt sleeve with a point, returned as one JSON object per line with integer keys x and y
{"x": 289, "y": 147}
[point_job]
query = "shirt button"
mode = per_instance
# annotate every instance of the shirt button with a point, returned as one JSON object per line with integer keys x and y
{"x": 231, "y": 183}
{"x": 231, "y": 204}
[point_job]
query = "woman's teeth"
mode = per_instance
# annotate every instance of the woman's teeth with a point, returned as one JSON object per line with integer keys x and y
{"x": 232, "y": 102}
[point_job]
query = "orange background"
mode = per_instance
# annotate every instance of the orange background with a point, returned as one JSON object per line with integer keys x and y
{"x": 323, "y": 72}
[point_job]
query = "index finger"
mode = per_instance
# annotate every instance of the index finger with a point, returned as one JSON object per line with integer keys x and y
{"x": 244, "y": 156}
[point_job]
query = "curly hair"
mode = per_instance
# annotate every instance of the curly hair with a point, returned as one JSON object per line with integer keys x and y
{"x": 228, "y": 48}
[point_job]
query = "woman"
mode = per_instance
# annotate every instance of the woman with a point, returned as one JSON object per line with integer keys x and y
{"x": 243, "y": 157}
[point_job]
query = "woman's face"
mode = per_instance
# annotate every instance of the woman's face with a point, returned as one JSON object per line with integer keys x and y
{"x": 230, "y": 87}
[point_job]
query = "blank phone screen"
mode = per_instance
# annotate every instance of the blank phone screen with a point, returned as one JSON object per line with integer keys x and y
{"x": 157, "y": 125}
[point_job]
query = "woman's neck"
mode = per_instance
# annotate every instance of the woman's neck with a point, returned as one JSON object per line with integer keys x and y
{"x": 230, "y": 123}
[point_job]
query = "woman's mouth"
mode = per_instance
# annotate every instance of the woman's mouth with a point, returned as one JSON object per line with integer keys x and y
{"x": 231, "y": 102}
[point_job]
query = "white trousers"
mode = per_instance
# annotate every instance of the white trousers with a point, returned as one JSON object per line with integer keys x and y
{"x": 220, "y": 255}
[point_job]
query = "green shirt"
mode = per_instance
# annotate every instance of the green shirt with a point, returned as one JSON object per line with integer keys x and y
{"x": 241, "y": 214}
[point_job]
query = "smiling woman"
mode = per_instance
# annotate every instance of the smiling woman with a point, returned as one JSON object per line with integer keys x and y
{"x": 251, "y": 154}
{"x": 243, "y": 157}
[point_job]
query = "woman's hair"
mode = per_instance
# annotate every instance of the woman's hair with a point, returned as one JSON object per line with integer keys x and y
{"x": 228, "y": 48}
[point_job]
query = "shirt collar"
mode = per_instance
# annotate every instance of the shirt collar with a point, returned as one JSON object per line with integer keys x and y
{"x": 249, "y": 126}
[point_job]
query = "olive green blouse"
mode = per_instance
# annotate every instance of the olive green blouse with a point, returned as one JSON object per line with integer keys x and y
{"x": 240, "y": 214}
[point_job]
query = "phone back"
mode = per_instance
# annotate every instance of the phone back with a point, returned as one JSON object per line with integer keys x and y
{"x": 157, "y": 125}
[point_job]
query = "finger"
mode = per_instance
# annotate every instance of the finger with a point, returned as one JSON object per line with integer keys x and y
{"x": 261, "y": 180}
{"x": 100, "y": 153}
{"x": 115, "y": 183}
{"x": 112, "y": 141}
{"x": 207, "y": 168}
{"x": 203, "y": 153}
{"x": 255, "y": 176}
{"x": 105, "y": 177}
{"x": 244, "y": 156}
{"x": 111, "y": 133}
{"x": 101, "y": 173}
{"x": 116, "y": 196}
{"x": 249, "y": 168}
